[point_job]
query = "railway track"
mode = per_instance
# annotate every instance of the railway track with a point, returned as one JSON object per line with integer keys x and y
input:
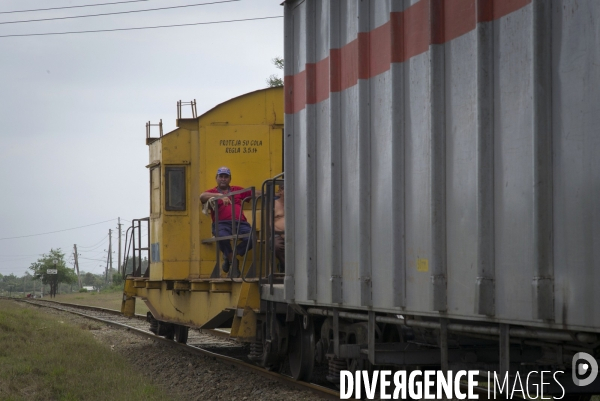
{"x": 209, "y": 343}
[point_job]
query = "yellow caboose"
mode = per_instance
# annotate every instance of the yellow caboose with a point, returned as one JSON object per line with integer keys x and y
{"x": 182, "y": 284}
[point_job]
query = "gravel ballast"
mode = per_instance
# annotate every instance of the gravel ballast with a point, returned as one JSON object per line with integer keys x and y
{"x": 182, "y": 375}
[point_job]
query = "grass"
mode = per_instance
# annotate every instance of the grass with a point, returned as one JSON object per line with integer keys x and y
{"x": 46, "y": 359}
{"x": 109, "y": 300}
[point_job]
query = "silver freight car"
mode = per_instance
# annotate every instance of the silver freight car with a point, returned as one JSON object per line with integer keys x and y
{"x": 441, "y": 161}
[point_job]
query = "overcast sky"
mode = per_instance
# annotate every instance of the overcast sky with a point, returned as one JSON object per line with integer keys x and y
{"x": 73, "y": 110}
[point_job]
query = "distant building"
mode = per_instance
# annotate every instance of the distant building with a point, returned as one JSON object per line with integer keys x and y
{"x": 89, "y": 288}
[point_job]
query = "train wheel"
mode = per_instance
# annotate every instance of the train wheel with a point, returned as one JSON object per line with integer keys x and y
{"x": 181, "y": 333}
{"x": 302, "y": 350}
{"x": 166, "y": 330}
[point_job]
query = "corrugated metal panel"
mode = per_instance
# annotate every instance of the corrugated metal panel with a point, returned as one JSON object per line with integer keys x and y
{"x": 442, "y": 156}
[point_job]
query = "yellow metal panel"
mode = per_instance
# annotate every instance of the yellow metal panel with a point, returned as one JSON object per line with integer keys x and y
{"x": 190, "y": 308}
{"x": 155, "y": 150}
{"x": 220, "y": 287}
{"x": 155, "y": 199}
{"x": 260, "y": 107}
{"x": 176, "y": 147}
{"x": 207, "y": 264}
{"x": 248, "y": 215}
{"x": 249, "y": 296}
{"x": 176, "y": 242}
{"x": 244, "y": 328}
{"x": 276, "y": 151}
{"x": 181, "y": 285}
{"x": 139, "y": 283}
{"x": 194, "y": 205}
{"x": 128, "y": 302}
{"x": 128, "y": 306}
{"x": 129, "y": 288}
{"x": 200, "y": 286}
{"x": 156, "y": 271}
{"x": 153, "y": 285}
{"x": 245, "y": 149}
{"x": 176, "y": 270}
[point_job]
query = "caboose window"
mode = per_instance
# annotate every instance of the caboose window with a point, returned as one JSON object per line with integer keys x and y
{"x": 175, "y": 188}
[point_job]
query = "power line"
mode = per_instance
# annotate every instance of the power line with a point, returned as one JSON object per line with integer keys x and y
{"x": 140, "y": 28}
{"x": 93, "y": 249}
{"x": 117, "y": 12}
{"x": 92, "y": 246}
{"x": 101, "y": 260}
{"x": 58, "y": 231}
{"x": 62, "y": 8}
{"x": 15, "y": 259}
{"x": 29, "y": 254}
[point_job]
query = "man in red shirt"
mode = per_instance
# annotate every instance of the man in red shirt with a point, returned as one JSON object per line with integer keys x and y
{"x": 225, "y": 225}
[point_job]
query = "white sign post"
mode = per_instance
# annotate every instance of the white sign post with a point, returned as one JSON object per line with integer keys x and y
{"x": 52, "y": 271}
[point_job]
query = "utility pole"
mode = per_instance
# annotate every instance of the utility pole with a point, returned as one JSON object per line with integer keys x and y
{"x": 106, "y": 271}
{"x": 107, "y": 259}
{"x": 76, "y": 264}
{"x": 110, "y": 250}
{"x": 120, "y": 272}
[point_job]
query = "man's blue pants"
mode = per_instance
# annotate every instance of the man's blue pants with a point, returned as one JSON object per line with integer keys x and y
{"x": 224, "y": 229}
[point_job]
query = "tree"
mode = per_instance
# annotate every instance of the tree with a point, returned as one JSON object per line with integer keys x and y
{"x": 92, "y": 280}
{"x": 9, "y": 283}
{"x": 117, "y": 279}
{"x": 273, "y": 80}
{"x": 47, "y": 261}
{"x": 89, "y": 279}
{"x": 128, "y": 263}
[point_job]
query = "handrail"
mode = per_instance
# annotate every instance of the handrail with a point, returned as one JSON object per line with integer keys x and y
{"x": 139, "y": 249}
{"x": 127, "y": 249}
{"x": 268, "y": 205}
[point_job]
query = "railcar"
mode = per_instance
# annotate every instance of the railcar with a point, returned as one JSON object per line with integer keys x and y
{"x": 442, "y": 191}
{"x": 182, "y": 284}
{"x": 449, "y": 153}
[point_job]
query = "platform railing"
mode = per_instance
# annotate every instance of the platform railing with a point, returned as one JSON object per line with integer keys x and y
{"x": 133, "y": 247}
{"x": 267, "y": 261}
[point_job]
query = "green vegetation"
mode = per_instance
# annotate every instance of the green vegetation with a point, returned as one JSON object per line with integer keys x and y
{"x": 54, "y": 260}
{"x": 48, "y": 359}
{"x": 38, "y": 283}
{"x": 274, "y": 80}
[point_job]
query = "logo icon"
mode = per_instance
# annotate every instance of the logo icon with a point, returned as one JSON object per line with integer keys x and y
{"x": 584, "y": 364}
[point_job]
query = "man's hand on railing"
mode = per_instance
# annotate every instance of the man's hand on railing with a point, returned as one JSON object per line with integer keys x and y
{"x": 208, "y": 206}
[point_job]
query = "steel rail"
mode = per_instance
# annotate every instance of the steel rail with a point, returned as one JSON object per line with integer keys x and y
{"x": 315, "y": 388}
